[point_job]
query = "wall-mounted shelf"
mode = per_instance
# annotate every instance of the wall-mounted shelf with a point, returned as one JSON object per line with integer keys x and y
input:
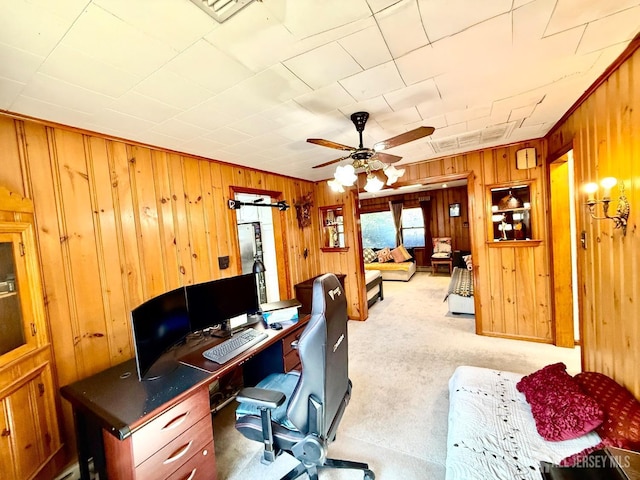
{"x": 332, "y": 222}
{"x": 510, "y": 213}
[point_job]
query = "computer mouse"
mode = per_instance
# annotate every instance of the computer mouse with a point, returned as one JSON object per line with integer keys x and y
{"x": 276, "y": 326}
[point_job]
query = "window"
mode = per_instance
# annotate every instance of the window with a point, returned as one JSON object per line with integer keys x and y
{"x": 412, "y": 227}
{"x": 378, "y": 230}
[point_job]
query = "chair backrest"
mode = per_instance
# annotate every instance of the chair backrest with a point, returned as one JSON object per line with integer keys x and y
{"x": 323, "y": 350}
{"x": 441, "y": 244}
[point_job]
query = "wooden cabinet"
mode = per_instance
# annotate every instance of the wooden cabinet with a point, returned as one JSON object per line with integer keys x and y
{"x": 178, "y": 444}
{"x": 29, "y": 435}
{"x": 510, "y": 212}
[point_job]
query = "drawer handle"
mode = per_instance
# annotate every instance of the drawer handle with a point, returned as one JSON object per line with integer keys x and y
{"x": 179, "y": 453}
{"x": 192, "y": 474}
{"x": 294, "y": 344}
{"x": 176, "y": 421}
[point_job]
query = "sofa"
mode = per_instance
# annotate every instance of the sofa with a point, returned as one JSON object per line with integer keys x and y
{"x": 503, "y": 424}
{"x": 396, "y": 264}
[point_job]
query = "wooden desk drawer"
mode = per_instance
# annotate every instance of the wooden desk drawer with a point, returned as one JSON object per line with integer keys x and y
{"x": 176, "y": 453}
{"x": 202, "y": 466}
{"x": 286, "y": 341}
{"x": 291, "y": 361}
{"x": 167, "y": 426}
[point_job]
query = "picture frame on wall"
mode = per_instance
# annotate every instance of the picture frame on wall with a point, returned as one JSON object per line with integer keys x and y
{"x": 454, "y": 209}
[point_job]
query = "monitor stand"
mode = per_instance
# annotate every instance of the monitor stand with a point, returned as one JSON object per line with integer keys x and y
{"x": 166, "y": 364}
{"x": 224, "y": 331}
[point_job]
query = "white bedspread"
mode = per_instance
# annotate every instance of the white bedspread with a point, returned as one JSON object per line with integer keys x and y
{"x": 492, "y": 434}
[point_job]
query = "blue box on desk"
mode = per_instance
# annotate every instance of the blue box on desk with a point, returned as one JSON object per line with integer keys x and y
{"x": 285, "y": 311}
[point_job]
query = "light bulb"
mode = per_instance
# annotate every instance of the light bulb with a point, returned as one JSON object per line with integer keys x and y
{"x": 607, "y": 184}
{"x": 590, "y": 189}
{"x": 374, "y": 184}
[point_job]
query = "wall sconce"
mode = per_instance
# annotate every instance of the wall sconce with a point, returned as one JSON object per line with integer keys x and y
{"x": 622, "y": 212}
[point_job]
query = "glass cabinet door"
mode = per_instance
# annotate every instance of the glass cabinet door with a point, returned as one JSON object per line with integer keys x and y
{"x": 13, "y": 334}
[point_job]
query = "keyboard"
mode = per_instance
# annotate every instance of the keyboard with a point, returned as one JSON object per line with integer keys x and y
{"x": 234, "y": 346}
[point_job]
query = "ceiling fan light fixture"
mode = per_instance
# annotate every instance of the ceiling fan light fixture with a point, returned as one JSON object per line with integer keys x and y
{"x": 346, "y": 175}
{"x": 335, "y": 186}
{"x": 393, "y": 174}
{"x": 374, "y": 184}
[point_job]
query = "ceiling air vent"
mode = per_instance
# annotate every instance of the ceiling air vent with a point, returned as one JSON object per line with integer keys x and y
{"x": 221, "y": 10}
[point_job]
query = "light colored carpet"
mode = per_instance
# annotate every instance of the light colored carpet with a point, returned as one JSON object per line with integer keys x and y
{"x": 401, "y": 359}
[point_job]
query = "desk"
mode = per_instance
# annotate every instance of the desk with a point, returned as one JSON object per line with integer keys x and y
{"x": 162, "y": 428}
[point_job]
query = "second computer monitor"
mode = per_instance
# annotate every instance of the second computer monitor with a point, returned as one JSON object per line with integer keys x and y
{"x": 216, "y": 302}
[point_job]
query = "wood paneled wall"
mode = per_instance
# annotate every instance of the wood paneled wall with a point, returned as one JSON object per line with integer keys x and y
{"x": 442, "y": 225}
{"x": 604, "y": 132}
{"x": 118, "y": 223}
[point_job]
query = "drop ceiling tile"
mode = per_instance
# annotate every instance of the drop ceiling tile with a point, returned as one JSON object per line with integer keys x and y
{"x": 133, "y": 103}
{"x": 179, "y": 130}
{"x": 277, "y": 84}
{"x": 325, "y": 99}
{"x": 336, "y": 65}
{"x": 572, "y": 13}
{"x": 373, "y": 82}
{"x": 48, "y": 111}
{"x": 226, "y": 136}
{"x": 521, "y": 113}
{"x": 530, "y": 22}
{"x": 32, "y": 28}
{"x": 379, "y": 5}
{"x": 173, "y": 89}
{"x": 215, "y": 70}
{"x": 402, "y": 29}
{"x": 120, "y": 121}
{"x": 326, "y": 15}
{"x": 413, "y": 95}
{"x": 467, "y": 114}
{"x": 203, "y": 145}
{"x": 375, "y": 106}
{"x": 80, "y": 69}
{"x": 255, "y": 125}
{"x": 18, "y": 65}
{"x": 367, "y": 47}
{"x": 58, "y": 92}
{"x": 208, "y": 115}
{"x": 103, "y": 36}
{"x": 443, "y": 19}
{"x": 399, "y": 118}
{"x": 188, "y": 23}
{"x": 617, "y": 28}
{"x": 9, "y": 91}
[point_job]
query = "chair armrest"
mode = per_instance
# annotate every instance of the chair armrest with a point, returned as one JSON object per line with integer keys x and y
{"x": 261, "y": 397}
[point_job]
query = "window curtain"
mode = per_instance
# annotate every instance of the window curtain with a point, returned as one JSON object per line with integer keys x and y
{"x": 396, "y": 212}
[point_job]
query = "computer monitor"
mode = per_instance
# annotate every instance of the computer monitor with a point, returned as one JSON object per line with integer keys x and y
{"x": 159, "y": 324}
{"x": 220, "y": 301}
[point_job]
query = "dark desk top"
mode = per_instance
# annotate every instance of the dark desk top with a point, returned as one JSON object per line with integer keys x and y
{"x": 121, "y": 402}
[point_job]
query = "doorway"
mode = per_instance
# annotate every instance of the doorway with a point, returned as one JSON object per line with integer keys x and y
{"x": 564, "y": 251}
{"x": 257, "y": 243}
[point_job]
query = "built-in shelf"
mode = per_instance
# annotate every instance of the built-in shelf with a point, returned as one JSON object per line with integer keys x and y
{"x": 332, "y": 221}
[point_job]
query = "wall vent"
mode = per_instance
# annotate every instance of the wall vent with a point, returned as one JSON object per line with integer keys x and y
{"x": 221, "y": 10}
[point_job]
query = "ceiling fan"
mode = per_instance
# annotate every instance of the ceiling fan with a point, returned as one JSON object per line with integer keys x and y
{"x": 361, "y": 155}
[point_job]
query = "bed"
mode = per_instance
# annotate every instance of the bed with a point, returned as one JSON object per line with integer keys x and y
{"x": 460, "y": 292}
{"x": 373, "y": 280}
{"x": 402, "y": 271}
{"x": 492, "y": 433}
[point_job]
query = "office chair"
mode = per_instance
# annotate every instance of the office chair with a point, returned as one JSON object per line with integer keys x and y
{"x": 300, "y": 412}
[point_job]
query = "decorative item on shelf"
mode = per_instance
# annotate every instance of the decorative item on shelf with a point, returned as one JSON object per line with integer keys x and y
{"x": 503, "y": 226}
{"x": 622, "y": 212}
{"x": 509, "y": 202}
{"x": 282, "y": 205}
{"x": 303, "y": 210}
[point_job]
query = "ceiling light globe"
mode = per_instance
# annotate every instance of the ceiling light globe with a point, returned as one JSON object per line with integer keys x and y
{"x": 374, "y": 184}
{"x": 335, "y": 186}
{"x": 346, "y": 175}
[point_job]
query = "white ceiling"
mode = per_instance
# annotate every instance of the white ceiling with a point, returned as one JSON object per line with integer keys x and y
{"x": 251, "y": 90}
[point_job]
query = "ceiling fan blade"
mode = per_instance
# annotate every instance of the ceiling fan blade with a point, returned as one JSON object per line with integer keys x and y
{"x": 387, "y": 157}
{"x": 330, "y": 144}
{"x": 332, "y": 162}
{"x": 403, "y": 138}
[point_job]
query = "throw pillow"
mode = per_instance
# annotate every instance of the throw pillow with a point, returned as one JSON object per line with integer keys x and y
{"x": 400, "y": 254}
{"x": 384, "y": 255}
{"x": 369, "y": 255}
{"x": 468, "y": 262}
{"x": 561, "y": 410}
{"x": 442, "y": 245}
{"x": 621, "y": 424}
